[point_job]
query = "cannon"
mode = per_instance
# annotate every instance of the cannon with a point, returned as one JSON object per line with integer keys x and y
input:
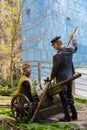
{"x": 46, "y": 104}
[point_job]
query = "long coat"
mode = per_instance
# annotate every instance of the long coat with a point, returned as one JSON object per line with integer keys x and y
{"x": 62, "y": 63}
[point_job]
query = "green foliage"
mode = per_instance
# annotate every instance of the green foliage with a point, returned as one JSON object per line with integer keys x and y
{"x": 50, "y": 126}
{"x": 10, "y": 32}
{"x": 5, "y": 98}
{"x": 80, "y": 100}
{"x": 4, "y": 83}
{"x": 36, "y": 82}
{"x": 6, "y": 112}
{"x": 5, "y": 91}
{"x": 15, "y": 82}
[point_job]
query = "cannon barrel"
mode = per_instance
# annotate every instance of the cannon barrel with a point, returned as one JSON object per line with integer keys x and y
{"x": 56, "y": 88}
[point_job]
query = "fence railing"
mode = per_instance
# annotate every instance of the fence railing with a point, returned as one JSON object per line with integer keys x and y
{"x": 80, "y": 83}
{"x": 40, "y": 65}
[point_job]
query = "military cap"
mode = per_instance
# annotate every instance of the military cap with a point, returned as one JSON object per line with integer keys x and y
{"x": 55, "y": 39}
{"x": 24, "y": 66}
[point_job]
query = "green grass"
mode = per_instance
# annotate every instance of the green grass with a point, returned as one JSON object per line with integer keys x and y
{"x": 37, "y": 126}
{"x": 6, "y": 98}
{"x": 50, "y": 126}
{"x": 80, "y": 100}
{"x": 6, "y": 112}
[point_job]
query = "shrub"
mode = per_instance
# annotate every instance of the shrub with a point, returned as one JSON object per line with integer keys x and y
{"x": 5, "y": 91}
{"x": 4, "y": 83}
{"x": 15, "y": 82}
{"x": 6, "y": 112}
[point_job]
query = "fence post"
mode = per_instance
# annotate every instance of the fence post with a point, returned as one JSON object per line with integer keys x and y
{"x": 39, "y": 71}
{"x": 73, "y": 87}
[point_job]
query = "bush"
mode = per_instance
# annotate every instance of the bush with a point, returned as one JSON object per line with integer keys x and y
{"x": 15, "y": 82}
{"x": 6, "y": 112}
{"x": 5, "y": 91}
{"x": 4, "y": 83}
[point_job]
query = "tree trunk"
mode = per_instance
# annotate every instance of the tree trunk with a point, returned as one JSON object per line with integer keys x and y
{"x": 11, "y": 74}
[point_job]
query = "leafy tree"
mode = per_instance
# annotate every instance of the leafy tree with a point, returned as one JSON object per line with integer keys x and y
{"x": 10, "y": 35}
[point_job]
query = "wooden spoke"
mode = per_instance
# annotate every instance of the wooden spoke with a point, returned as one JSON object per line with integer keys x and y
{"x": 21, "y": 108}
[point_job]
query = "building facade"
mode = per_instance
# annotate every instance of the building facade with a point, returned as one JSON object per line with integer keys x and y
{"x": 44, "y": 19}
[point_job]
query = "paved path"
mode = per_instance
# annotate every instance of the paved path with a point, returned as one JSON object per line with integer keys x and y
{"x": 4, "y": 100}
{"x": 81, "y": 122}
{"x": 3, "y": 117}
{"x": 82, "y": 116}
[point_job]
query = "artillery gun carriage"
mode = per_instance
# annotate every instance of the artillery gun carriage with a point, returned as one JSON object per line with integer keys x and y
{"x": 46, "y": 102}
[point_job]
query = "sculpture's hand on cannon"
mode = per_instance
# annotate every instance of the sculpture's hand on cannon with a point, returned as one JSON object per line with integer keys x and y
{"x": 56, "y": 88}
{"x": 48, "y": 79}
{"x": 35, "y": 97}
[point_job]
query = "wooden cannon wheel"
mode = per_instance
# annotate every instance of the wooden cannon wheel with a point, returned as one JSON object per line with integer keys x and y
{"x": 21, "y": 108}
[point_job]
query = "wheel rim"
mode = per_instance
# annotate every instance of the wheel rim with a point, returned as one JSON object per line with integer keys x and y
{"x": 21, "y": 108}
